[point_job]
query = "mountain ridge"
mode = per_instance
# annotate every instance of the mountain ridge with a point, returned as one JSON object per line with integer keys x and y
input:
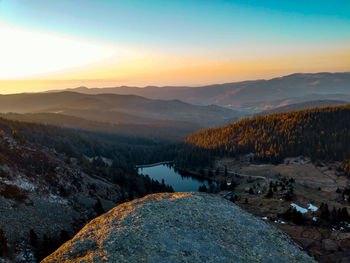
{"x": 304, "y": 105}
{"x": 159, "y": 130}
{"x": 236, "y": 93}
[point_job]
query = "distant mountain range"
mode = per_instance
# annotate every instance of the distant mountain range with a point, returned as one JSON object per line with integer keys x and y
{"x": 175, "y": 112}
{"x": 251, "y": 95}
{"x": 127, "y": 115}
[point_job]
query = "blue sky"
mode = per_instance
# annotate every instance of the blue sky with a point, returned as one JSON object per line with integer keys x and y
{"x": 153, "y": 21}
{"x": 190, "y": 30}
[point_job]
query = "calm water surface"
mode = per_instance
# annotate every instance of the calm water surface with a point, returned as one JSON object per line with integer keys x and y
{"x": 178, "y": 180}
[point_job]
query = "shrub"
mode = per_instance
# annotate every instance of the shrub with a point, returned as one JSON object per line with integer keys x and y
{"x": 269, "y": 193}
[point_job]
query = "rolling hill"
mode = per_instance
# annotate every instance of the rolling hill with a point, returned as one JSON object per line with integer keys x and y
{"x": 116, "y": 109}
{"x": 156, "y": 130}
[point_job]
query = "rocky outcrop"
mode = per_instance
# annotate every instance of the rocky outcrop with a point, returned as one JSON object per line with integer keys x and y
{"x": 179, "y": 227}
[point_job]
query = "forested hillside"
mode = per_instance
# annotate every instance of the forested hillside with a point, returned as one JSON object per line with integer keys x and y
{"x": 320, "y": 133}
{"x": 80, "y": 143}
{"x": 157, "y": 130}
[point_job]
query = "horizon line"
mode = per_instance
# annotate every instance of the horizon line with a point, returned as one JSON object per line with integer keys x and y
{"x": 149, "y": 86}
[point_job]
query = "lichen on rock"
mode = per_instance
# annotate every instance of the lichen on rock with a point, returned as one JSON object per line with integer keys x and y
{"x": 179, "y": 227}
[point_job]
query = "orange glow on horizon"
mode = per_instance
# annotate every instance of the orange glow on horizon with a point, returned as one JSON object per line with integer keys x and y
{"x": 53, "y": 61}
{"x": 163, "y": 71}
{"x": 205, "y": 48}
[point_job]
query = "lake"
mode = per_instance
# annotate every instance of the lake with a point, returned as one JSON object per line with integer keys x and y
{"x": 180, "y": 181}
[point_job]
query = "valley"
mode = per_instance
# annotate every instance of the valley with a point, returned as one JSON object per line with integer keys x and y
{"x": 67, "y": 157}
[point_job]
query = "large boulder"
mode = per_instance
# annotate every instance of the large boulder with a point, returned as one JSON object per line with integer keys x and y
{"x": 179, "y": 227}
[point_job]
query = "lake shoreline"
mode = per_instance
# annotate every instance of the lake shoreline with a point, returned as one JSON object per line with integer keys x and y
{"x": 183, "y": 170}
{"x": 180, "y": 179}
{"x": 153, "y": 164}
{"x": 196, "y": 175}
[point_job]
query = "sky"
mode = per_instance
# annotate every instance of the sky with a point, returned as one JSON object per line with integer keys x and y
{"x": 65, "y": 44}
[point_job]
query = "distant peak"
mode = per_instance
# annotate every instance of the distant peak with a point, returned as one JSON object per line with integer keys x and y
{"x": 81, "y": 88}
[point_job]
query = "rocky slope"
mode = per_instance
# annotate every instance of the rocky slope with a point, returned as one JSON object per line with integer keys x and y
{"x": 43, "y": 198}
{"x": 180, "y": 227}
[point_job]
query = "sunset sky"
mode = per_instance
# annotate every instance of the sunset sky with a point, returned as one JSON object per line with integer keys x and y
{"x": 64, "y": 44}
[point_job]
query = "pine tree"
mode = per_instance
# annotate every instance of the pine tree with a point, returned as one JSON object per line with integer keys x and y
{"x": 33, "y": 238}
{"x": 3, "y": 243}
{"x": 98, "y": 207}
{"x": 269, "y": 193}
